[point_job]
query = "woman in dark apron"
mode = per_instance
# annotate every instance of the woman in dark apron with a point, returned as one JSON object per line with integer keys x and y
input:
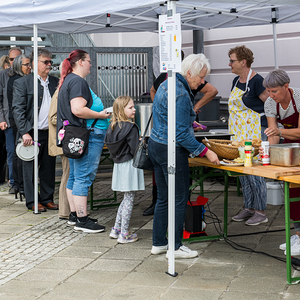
{"x": 283, "y": 107}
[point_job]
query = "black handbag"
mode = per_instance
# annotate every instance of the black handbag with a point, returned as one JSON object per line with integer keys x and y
{"x": 76, "y": 140}
{"x": 141, "y": 159}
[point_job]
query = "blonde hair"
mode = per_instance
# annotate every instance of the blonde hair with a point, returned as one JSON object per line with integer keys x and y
{"x": 118, "y": 111}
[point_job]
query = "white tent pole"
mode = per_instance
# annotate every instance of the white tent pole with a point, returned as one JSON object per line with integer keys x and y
{"x": 274, "y": 20}
{"x": 275, "y": 44}
{"x": 171, "y": 157}
{"x": 35, "y": 114}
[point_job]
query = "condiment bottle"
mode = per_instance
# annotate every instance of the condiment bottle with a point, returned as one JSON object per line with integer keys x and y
{"x": 266, "y": 156}
{"x": 248, "y": 154}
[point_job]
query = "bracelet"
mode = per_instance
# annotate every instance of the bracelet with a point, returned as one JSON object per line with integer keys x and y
{"x": 279, "y": 132}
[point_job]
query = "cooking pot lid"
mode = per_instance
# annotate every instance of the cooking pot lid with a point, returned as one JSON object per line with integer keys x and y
{"x": 25, "y": 153}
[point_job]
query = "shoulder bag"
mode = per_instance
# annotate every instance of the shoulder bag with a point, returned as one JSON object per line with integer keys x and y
{"x": 75, "y": 141}
{"x": 141, "y": 159}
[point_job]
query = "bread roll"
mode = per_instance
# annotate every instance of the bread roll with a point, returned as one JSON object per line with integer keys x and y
{"x": 236, "y": 143}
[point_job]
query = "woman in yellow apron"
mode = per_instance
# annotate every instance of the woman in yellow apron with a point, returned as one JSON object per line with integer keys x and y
{"x": 247, "y": 121}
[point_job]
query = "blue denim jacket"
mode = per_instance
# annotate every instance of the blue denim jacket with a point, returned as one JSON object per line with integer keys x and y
{"x": 185, "y": 116}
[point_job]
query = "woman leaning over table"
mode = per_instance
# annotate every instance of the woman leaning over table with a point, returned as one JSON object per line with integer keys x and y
{"x": 247, "y": 121}
{"x": 283, "y": 106}
{"x": 194, "y": 69}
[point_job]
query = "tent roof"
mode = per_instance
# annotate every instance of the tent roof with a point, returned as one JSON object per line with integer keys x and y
{"x": 88, "y": 16}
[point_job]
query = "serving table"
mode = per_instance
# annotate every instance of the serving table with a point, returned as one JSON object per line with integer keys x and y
{"x": 290, "y": 176}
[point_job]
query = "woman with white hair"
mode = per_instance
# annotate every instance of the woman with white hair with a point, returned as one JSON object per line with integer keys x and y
{"x": 194, "y": 69}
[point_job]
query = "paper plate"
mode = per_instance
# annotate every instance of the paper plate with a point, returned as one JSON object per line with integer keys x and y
{"x": 26, "y": 153}
{"x": 231, "y": 164}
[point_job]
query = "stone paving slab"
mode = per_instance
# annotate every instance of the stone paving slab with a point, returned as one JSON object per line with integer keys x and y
{"x": 228, "y": 295}
{"x": 133, "y": 292}
{"x": 113, "y": 265}
{"x": 76, "y": 291}
{"x": 191, "y": 294}
{"x": 95, "y": 277}
{"x": 93, "y": 266}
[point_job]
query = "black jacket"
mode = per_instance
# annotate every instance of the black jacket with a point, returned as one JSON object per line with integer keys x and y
{"x": 22, "y": 105}
{"x": 122, "y": 142}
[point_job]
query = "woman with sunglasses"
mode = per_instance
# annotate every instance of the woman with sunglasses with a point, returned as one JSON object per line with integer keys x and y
{"x": 248, "y": 121}
{"x": 21, "y": 67}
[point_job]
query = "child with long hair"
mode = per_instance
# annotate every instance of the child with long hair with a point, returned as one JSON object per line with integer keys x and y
{"x": 122, "y": 139}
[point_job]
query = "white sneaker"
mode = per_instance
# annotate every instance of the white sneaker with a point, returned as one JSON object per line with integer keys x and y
{"x": 114, "y": 233}
{"x": 295, "y": 249}
{"x": 128, "y": 238}
{"x": 294, "y": 239}
{"x": 184, "y": 252}
{"x": 159, "y": 249}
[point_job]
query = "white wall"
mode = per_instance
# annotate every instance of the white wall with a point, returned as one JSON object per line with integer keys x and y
{"x": 217, "y": 43}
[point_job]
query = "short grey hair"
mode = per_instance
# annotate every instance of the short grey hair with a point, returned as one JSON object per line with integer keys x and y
{"x": 195, "y": 63}
{"x": 17, "y": 66}
{"x": 276, "y": 78}
{"x": 15, "y": 49}
{"x": 41, "y": 52}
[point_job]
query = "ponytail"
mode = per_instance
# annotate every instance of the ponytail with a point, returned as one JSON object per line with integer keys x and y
{"x": 68, "y": 64}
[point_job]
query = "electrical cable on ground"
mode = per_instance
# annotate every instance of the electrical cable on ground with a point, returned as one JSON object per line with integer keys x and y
{"x": 217, "y": 225}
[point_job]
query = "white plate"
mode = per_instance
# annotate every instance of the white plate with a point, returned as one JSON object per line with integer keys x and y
{"x": 109, "y": 109}
{"x": 26, "y": 153}
{"x": 229, "y": 164}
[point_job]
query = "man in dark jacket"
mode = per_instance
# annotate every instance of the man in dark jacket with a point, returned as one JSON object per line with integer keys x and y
{"x": 23, "y": 107}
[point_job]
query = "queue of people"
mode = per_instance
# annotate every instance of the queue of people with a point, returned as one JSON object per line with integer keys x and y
{"x": 256, "y": 107}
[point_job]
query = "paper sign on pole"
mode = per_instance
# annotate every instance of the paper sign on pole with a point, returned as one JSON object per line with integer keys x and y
{"x": 170, "y": 43}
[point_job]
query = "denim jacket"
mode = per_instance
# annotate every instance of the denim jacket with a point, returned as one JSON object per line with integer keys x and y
{"x": 185, "y": 116}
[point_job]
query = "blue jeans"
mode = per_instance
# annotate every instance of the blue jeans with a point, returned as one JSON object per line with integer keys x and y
{"x": 84, "y": 169}
{"x": 10, "y": 148}
{"x": 159, "y": 156}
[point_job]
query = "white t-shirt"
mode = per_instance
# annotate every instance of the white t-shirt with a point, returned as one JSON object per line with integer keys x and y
{"x": 271, "y": 106}
{"x": 44, "y": 110}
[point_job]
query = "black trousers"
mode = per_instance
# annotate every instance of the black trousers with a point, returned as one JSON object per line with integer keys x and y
{"x": 17, "y": 162}
{"x": 2, "y": 156}
{"x": 46, "y": 173}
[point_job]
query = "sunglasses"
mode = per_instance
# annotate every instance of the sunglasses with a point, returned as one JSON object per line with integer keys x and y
{"x": 11, "y": 59}
{"x": 26, "y": 65}
{"x": 46, "y": 62}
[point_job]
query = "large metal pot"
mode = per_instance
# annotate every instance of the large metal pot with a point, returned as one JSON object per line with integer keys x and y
{"x": 142, "y": 115}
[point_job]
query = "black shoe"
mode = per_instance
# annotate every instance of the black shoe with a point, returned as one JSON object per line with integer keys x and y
{"x": 89, "y": 226}
{"x": 73, "y": 219}
{"x": 22, "y": 194}
{"x": 11, "y": 190}
{"x": 149, "y": 211}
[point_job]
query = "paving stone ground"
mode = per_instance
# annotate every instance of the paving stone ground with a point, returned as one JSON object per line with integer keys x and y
{"x": 43, "y": 258}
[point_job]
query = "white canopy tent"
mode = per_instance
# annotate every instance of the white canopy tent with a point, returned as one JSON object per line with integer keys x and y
{"x": 79, "y": 16}
{"x": 19, "y": 17}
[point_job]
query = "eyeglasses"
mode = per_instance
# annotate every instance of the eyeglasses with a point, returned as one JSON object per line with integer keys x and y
{"x": 46, "y": 62}
{"x": 26, "y": 65}
{"x": 232, "y": 60}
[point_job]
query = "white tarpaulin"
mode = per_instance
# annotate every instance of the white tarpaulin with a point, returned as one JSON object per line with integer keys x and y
{"x": 88, "y": 16}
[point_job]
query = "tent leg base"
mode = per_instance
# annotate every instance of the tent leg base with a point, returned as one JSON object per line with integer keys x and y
{"x": 173, "y": 275}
